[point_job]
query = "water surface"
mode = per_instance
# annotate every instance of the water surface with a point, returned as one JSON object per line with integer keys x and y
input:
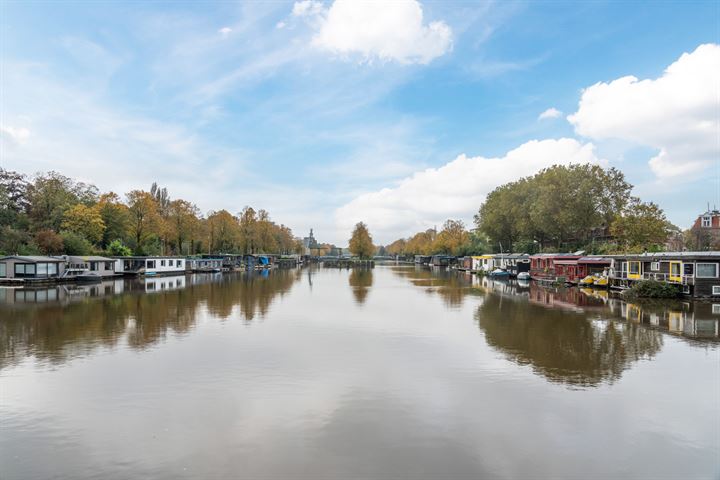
{"x": 395, "y": 372}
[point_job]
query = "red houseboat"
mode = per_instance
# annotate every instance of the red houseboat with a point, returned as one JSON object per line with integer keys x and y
{"x": 575, "y": 269}
{"x": 543, "y": 266}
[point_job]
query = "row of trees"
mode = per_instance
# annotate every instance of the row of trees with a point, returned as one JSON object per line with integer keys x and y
{"x": 54, "y": 214}
{"x": 561, "y": 208}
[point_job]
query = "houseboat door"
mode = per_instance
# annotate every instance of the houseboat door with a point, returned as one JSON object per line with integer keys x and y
{"x": 675, "y": 272}
{"x": 634, "y": 270}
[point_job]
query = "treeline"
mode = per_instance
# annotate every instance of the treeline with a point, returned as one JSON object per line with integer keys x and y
{"x": 53, "y": 214}
{"x": 561, "y": 208}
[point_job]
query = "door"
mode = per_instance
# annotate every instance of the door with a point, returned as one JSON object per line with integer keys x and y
{"x": 676, "y": 272}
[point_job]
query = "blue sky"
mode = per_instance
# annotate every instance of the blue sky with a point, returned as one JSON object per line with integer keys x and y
{"x": 401, "y": 113}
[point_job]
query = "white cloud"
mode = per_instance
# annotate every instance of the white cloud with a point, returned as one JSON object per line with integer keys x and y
{"x": 386, "y": 31}
{"x": 551, "y": 112}
{"x": 307, "y": 8}
{"x": 14, "y": 135}
{"x": 454, "y": 190}
{"x": 225, "y": 31}
{"x": 677, "y": 113}
{"x": 280, "y": 25}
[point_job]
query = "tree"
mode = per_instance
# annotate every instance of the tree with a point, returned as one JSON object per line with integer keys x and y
{"x": 361, "y": 242}
{"x": 49, "y": 242}
{"x": 224, "y": 232}
{"x": 144, "y": 219}
{"x": 115, "y": 216}
{"x": 642, "y": 226}
{"x": 248, "y": 231}
{"x": 183, "y": 222}
{"x": 397, "y": 247}
{"x": 117, "y": 249}
{"x": 85, "y": 221}
{"x": 13, "y": 198}
{"x": 452, "y": 239}
{"x": 75, "y": 244}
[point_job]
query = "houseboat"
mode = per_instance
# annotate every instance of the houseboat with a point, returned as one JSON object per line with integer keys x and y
{"x": 17, "y": 268}
{"x": 88, "y": 266}
{"x": 204, "y": 264}
{"x": 574, "y": 270}
{"x": 483, "y": 264}
{"x": 422, "y": 259}
{"x": 465, "y": 264}
{"x": 697, "y": 273}
{"x": 513, "y": 263}
{"x": 150, "y": 265}
{"x": 543, "y": 266}
{"x": 443, "y": 260}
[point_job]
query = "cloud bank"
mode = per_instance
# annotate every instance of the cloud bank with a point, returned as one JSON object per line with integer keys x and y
{"x": 454, "y": 190}
{"x": 677, "y": 113}
{"x": 376, "y": 30}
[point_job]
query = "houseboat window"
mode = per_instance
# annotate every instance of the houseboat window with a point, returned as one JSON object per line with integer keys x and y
{"x": 24, "y": 269}
{"x": 675, "y": 269}
{"x": 42, "y": 269}
{"x": 179, "y": 263}
{"x": 162, "y": 263}
{"x": 93, "y": 266}
{"x": 655, "y": 266}
{"x": 109, "y": 265}
{"x": 707, "y": 221}
{"x": 706, "y": 270}
{"x": 716, "y": 291}
{"x": 634, "y": 267}
{"x": 150, "y": 263}
{"x": 52, "y": 269}
{"x": 688, "y": 269}
{"x": 716, "y": 306}
{"x": 3, "y": 269}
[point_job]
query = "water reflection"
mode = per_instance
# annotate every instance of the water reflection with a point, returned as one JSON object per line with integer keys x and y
{"x": 450, "y": 285}
{"x": 63, "y": 321}
{"x": 360, "y": 279}
{"x": 564, "y": 345}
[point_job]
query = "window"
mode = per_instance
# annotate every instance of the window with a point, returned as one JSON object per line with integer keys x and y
{"x": 688, "y": 269}
{"x": 655, "y": 266}
{"x": 634, "y": 268}
{"x": 42, "y": 269}
{"x": 706, "y": 270}
{"x": 179, "y": 263}
{"x": 707, "y": 221}
{"x": 93, "y": 266}
{"x": 162, "y": 263}
{"x": 150, "y": 263}
{"x": 24, "y": 269}
{"x": 3, "y": 269}
{"x": 716, "y": 291}
{"x": 109, "y": 265}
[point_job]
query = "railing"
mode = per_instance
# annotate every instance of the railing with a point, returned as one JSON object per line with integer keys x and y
{"x": 660, "y": 277}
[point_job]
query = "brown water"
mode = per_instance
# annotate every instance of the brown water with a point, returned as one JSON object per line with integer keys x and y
{"x": 396, "y": 372}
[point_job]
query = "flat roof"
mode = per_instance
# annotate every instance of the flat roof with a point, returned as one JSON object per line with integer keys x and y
{"x": 33, "y": 258}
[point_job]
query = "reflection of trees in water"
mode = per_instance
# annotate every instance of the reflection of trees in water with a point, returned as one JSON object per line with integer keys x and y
{"x": 450, "y": 285}
{"x": 564, "y": 346}
{"x": 361, "y": 279}
{"x": 54, "y": 332}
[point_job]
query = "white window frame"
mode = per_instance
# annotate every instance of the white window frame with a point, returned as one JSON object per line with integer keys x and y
{"x": 654, "y": 266}
{"x": 716, "y": 308}
{"x": 716, "y": 290}
{"x": 706, "y": 263}
{"x": 707, "y": 221}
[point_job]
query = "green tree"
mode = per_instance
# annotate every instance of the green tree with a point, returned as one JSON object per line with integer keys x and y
{"x": 224, "y": 232}
{"x": 115, "y": 216}
{"x": 361, "y": 242}
{"x": 75, "y": 244}
{"x": 51, "y": 194}
{"x": 117, "y": 249}
{"x": 144, "y": 219}
{"x": 642, "y": 226}
{"x": 85, "y": 221}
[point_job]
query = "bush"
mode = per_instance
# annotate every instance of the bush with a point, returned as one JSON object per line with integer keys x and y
{"x": 117, "y": 249}
{"x": 75, "y": 244}
{"x": 653, "y": 289}
{"x": 49, "y": 242}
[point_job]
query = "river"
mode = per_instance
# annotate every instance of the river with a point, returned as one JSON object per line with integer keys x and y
{"x": 394, "y": 372}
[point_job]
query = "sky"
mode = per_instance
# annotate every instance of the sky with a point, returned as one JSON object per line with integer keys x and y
{"x": 398, "y": 113}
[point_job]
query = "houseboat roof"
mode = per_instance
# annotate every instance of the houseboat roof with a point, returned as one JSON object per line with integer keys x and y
{"x": 148, "y": 257}
{"x": 32, "y": 258}
{"x": 595, "y": 260}
{"x": 483, "y": 256}
{"x": 556, "y": 255}
{"x": 715, "y": 255}
{"x": 512, "y": 255}
{"x": 88, "y": 258}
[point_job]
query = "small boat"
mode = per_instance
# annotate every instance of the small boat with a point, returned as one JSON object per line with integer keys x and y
{"x": 88, "y": 277}
{"x": 499, "y": 273}
{"x": 589, "y": 280}
{"x": 523, "y": 276}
